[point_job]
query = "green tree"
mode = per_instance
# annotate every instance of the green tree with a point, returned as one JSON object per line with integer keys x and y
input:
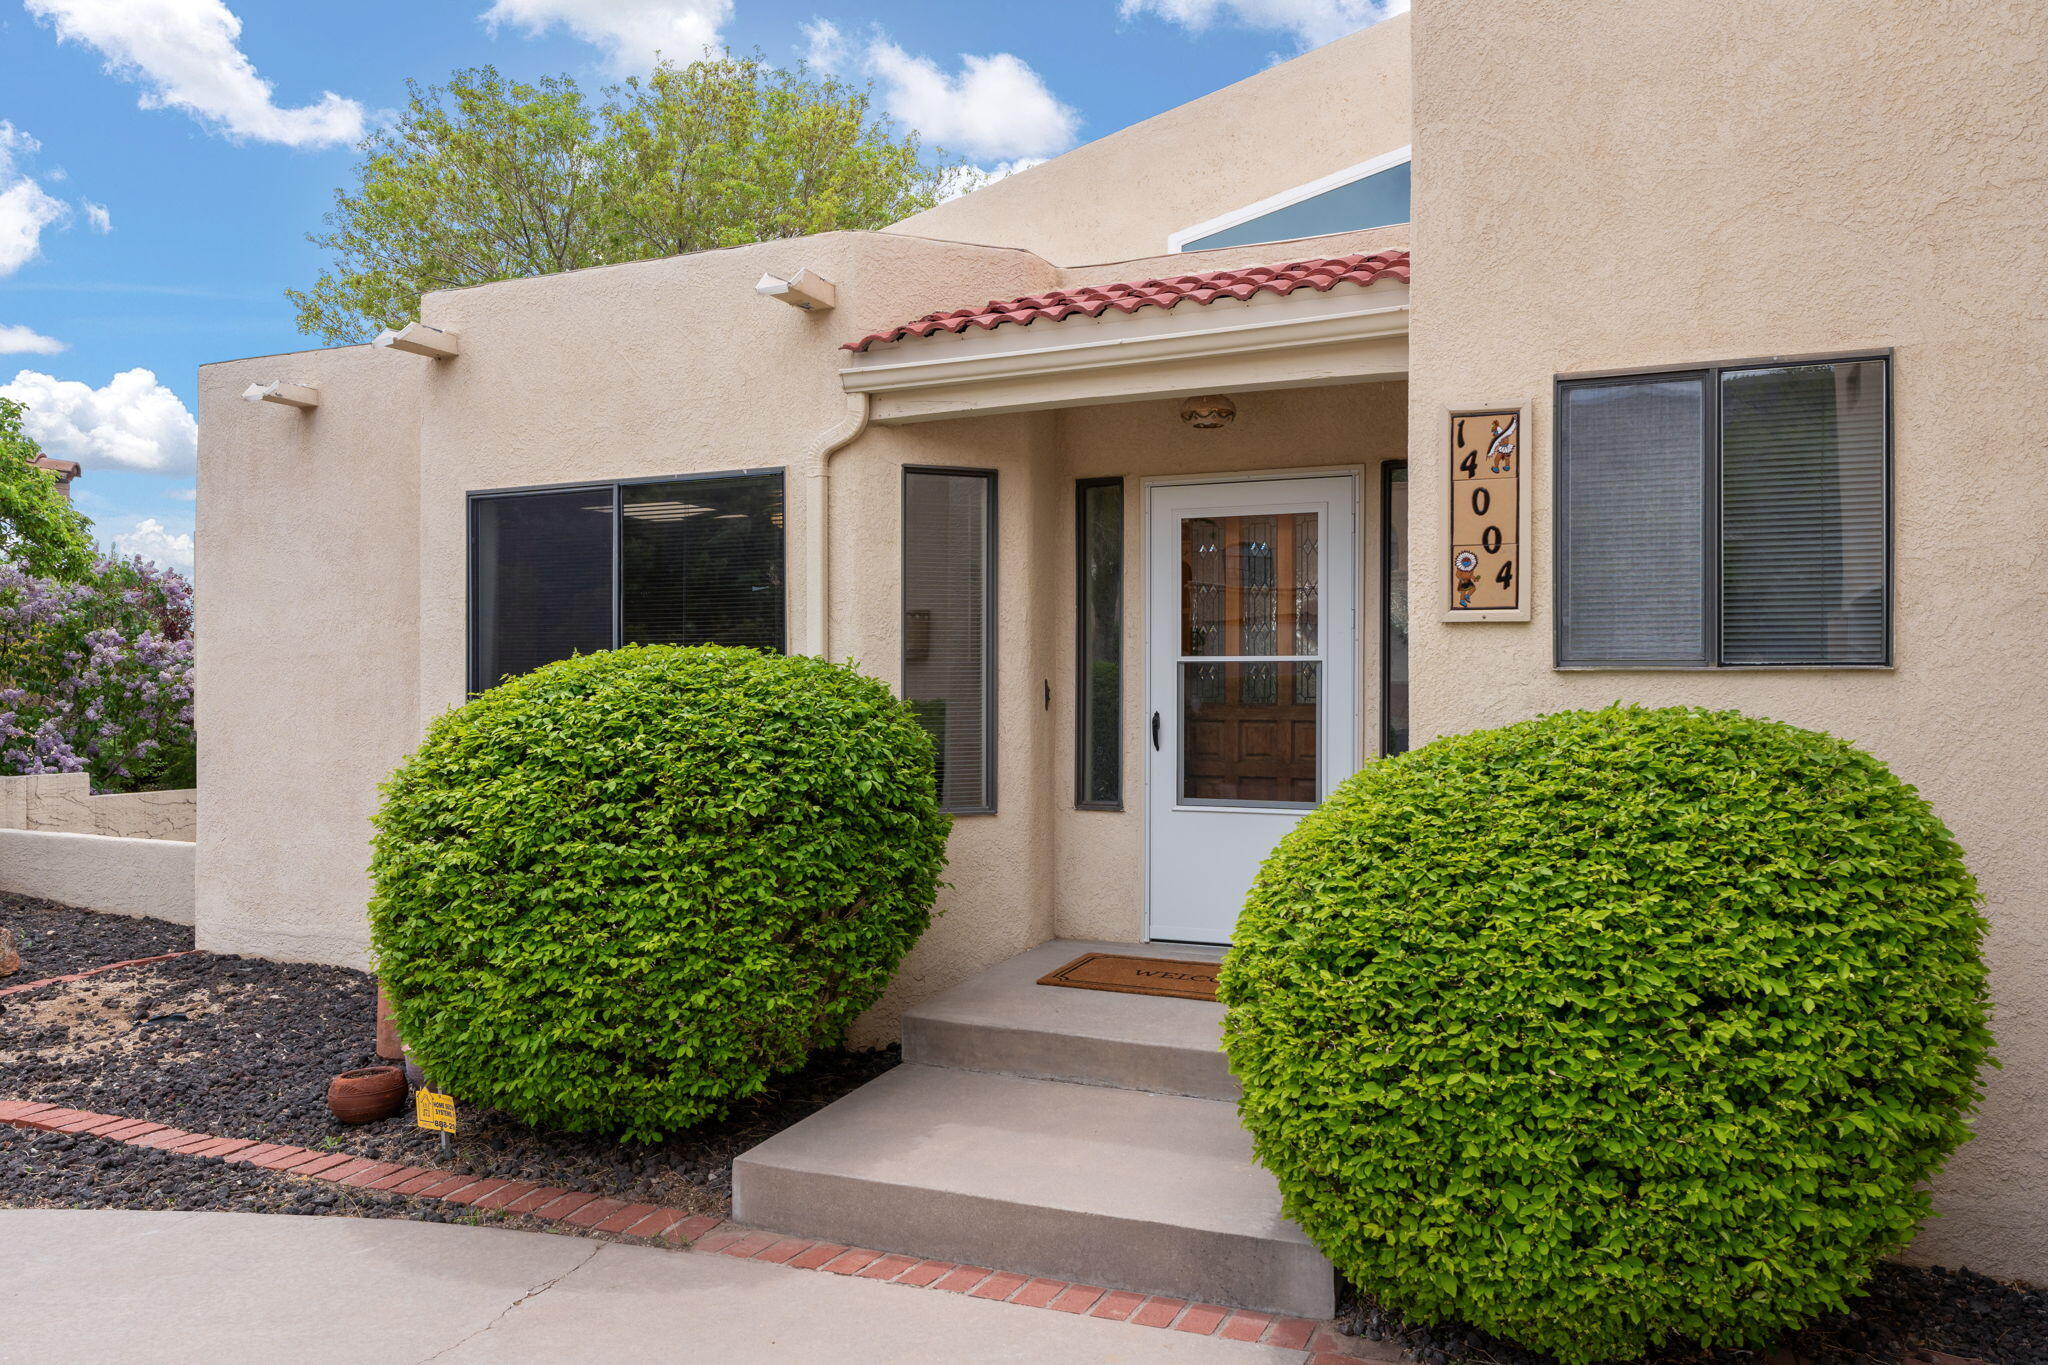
{"x": 488, "y": 179}
{"x": 39, "y": 528}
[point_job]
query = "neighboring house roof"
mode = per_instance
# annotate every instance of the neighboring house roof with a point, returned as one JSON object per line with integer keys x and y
{"x": 65, "y": 470}
{"x": 1094, "y": 300}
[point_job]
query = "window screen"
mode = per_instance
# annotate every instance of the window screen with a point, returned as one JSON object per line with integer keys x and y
{"x": 572, "y": 571}
{"x": 541, "y": 566}
{"x": 701, "y": 562}
{"x": 1735, "y": 516}
{"x": 948, "y": 591}
{"x": 1803, "y": 514}
{"x": 1631, "y": 572}
{"x": 1099, "y": 570}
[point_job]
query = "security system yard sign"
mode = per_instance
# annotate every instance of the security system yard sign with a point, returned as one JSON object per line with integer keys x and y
{"x": 1488, "y": 525}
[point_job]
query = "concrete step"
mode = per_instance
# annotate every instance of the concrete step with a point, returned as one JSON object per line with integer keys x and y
{"x": 1004, "y": 1021}
{"x": 1123, "y": 1189}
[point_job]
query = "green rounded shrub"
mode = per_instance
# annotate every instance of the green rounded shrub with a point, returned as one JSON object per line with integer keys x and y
{"x": 1610, "y": 1027}
{"x": 621, "y": 892}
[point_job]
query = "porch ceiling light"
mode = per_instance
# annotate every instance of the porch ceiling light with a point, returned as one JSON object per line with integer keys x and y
{"x": 806, "y": 289}
{"x": 416, "y": 338}
{"x": 300, "y": 396}
{"x": 1208, "y": 413}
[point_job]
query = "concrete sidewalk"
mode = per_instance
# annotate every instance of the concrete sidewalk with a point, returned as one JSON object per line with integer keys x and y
{"x": 227, "y": 1288}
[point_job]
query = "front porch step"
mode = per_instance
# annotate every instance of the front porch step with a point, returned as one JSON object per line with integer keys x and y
{"x": 1004, "y": 1021}
{"x": 1124, "y": 1189}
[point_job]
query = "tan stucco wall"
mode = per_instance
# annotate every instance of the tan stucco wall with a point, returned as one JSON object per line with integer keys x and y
{"x": 1121, "y": 196}
{"x": 150, "y": 878}
{"x": 1098, "y": 869}
{"x": 65, "y": 803}
{"x": 1762, "y": 179}
{"x": 307, "y": 653}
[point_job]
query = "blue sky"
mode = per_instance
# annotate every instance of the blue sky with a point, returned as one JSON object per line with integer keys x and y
{"x": 162, "y": 160}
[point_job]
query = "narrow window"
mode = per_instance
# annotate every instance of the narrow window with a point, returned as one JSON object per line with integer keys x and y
{"x": 685, "y": 561}
{"x": 541, "y": 576}
{"x": 1737, "y": 516}
{"x": 1099, "y": 572}
{"x": 701, "y": 562}
{"x": 948, "y": 626}
{"x": 1394, "y": 610}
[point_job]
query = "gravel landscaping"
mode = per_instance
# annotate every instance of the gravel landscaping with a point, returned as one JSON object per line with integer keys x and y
{"x": 56, "y": 939}
{"x": 1909, "y": 1312}
{"x": 245, "y": 1048}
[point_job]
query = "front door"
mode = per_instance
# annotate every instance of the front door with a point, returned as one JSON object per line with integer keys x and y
{"x": 1251, "y": 662}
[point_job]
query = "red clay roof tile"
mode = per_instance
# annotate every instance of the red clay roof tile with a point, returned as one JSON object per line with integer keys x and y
{"x": 1095, "y": 300}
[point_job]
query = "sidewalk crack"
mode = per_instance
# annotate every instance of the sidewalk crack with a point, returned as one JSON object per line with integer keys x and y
{"x": 528, "y": 1297}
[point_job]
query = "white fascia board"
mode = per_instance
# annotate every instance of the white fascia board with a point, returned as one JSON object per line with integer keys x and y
{"x": 1076, "y": 344}
{"x": 1177, "y": 241}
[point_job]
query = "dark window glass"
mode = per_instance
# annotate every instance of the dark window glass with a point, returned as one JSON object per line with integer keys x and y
{"x": 541, "y": 565}
{"x": 1394, "y": 612}
{"x": 948, "y": 595}
{"x": 683, "y": 561}
{"x": 701, "y": 561}
{"x": 1803, "y": 514}
{"x": 1100, "y": 539}
{"x": 1632, "y": 572}
{"x": 1735, "y": 516}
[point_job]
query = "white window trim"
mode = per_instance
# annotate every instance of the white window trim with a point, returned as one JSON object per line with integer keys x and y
{"x": 1178, "y": 241}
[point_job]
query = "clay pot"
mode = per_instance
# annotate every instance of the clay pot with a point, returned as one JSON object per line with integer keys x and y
{"x": 366, "y": 1094}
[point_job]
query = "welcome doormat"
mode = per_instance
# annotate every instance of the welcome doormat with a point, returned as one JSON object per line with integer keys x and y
{"x": 1176, "y": 977}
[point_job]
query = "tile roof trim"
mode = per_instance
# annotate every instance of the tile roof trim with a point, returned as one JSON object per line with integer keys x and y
{"x": 1320, "y": 274}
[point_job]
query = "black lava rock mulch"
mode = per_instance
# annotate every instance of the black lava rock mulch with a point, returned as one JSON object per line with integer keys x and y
{"x": 1908, "y": 1310}
{"x": 58, "y": 1170}
{"x": 57, "y": 939}
{"x": 245, "y": 1048}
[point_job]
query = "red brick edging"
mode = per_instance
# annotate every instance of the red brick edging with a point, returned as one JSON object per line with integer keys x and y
{"x": 94, "y": 971}
{"x": 699, "y": 1232}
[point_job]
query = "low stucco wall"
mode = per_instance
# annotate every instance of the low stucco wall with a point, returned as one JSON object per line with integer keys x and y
{"x": 116, "y": 876}
{"x": 64, "y": 803}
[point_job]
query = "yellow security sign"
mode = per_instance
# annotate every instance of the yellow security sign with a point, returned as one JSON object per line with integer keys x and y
{"x": 434, "y": 1111}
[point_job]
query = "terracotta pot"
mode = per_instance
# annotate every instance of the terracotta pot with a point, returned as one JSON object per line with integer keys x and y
{"x": 367, "y": 1094}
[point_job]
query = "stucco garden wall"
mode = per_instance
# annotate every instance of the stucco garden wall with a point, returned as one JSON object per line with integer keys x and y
{"x": 308, "y": 662}
{"x": 64, "y": 802}
{"x": 1120, "y": 197}
{"x": 1606, "y": 185}
{"x": 113, "y": 875}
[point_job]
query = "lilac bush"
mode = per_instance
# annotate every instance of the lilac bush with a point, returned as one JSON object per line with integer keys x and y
{"x": 96, "y": 675}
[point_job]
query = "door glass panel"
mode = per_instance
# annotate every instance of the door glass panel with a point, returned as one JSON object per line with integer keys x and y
{"x": 1249, "y": 585}
{"x": 1248, "y": 733}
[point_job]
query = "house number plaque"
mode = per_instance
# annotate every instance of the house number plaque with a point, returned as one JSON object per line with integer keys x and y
{"x": 1486, "y": 514}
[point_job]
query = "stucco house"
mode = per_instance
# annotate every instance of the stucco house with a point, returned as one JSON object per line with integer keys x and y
{"x": 1491, "y": 361}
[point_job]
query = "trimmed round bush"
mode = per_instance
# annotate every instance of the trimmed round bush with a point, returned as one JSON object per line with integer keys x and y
{"x": 1611, "y": 1027}
{"x": 623, "y": 891}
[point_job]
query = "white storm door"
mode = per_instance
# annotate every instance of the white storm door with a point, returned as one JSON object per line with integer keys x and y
{"x": 1252, "y": 683}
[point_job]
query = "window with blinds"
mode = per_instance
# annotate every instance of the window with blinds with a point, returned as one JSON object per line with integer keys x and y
{"x": 556, "y": 572}
{"x": 948, "y": 626}
{"x": 1735, "y": 516}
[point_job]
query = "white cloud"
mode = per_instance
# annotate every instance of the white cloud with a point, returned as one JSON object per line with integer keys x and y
{"x": 150, "y": 538}
{"x": 1312, "y": 22}
{"x": 130, "y": 422}
{"x": 994, "y": 108}
{"x": 26, "y": 208}
{"x": 97, "y": 215}
{"x": 17, "y": 340}
{"x": 183, "y": 495}
{"x": 630, "y": 32}
{"x": 971, "y": 178}
{"x": 187, "y": 55}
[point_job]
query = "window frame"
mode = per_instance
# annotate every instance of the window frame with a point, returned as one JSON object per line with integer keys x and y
{"x": 1388, "y": 469}
{"x": 1081, "y": 488}
{"x": 1711, "y": 567}
{"x": 617, "y": 488}
{"x": 992, "y": 789}
{"x": 1177, "y": 242}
